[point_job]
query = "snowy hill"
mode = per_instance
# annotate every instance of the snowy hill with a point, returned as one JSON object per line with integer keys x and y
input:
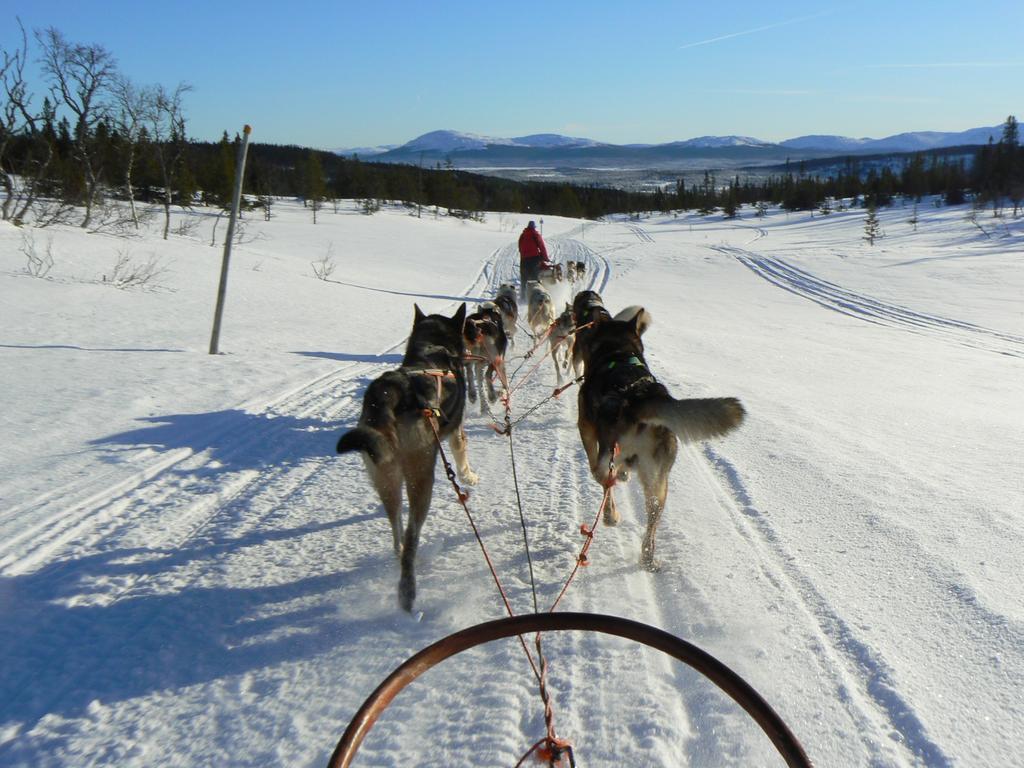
{"x": 451, "y": 141}
{"x": 469, "y": 151}
{"x": 721, "y": 141}
{"x": 190, "y": 576}
{"x": 828, "y": 143}
{"x": 902, "y": 142}
{"x": 365, "y": 151}
{"x": 554, "y": 140}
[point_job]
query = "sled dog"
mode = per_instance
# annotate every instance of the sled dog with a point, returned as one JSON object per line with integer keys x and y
{"x": 506, "y": 299}
{"x": 626, "y": 413}
{"x": 561, "y": 340}
{"x": 587, "y": 309}
{"x": 396, "y": 438}
{"x": 540, "y": 312}
{"x": 486, "y": 344}
{"x": 549, "y": 277}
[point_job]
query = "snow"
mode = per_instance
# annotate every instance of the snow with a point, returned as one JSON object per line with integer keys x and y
{"x": 189, "y": 576}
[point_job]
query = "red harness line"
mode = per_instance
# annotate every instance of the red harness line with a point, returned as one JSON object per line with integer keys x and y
{"x": 463, "y": 496}
{"x": 588, "y": 533}
{"x": 551, "y": 747}
{"x": 439, "y": 375}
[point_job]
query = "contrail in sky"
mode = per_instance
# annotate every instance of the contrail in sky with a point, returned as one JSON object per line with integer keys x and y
{"x": 949, "y": 65}
{"x": 752, "y": 31}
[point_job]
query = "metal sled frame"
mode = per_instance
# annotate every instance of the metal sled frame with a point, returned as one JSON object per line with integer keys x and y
{"x": 732, "y": 684}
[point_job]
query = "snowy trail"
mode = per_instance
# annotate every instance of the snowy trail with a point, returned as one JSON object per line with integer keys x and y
{"x": 222, "y": 589}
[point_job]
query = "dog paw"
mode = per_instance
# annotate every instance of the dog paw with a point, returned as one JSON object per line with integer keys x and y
{"x": 406, "y": 592}
{"x": 469, "y": 477}
{"x": 650, "y": 563}
{"x": 611, "y": 516}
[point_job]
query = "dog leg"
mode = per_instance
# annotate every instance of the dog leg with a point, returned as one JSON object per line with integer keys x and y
{"x": 457, "y": 441}
{"x": 471, "y": 382}
{"x": 611, "y": 515}
{"x": 654, "y": 479}
{"x": 556, "y": 355}
{"x": 387, "y": 479}
{"x": 419, "y": 481}
{"x": 654, "y": 501}
{"x": 598, "y": 467}
{"x": 481, "y": 374}
{"x": 492, "y": 393}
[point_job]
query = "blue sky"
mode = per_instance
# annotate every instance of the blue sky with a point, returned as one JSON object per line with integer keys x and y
{"x": 347, "y": 74}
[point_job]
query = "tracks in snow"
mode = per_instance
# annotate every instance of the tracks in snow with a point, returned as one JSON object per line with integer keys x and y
{"x": 862, "y": 680}
{"x": 853, "y": 304}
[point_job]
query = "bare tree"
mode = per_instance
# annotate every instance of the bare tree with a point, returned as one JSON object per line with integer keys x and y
{"x": 323, "y": 268}
{"x": 129, "y": 272}
{"x": 166, "y": 126}
{"x": 80, "y": 75}
{"x": 37, "y": 264}
{"x": 134, "y": 106}
{"x": 21, "y": 179}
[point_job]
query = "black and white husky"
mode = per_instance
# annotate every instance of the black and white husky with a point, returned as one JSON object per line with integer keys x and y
{"x": 506, "y": 300}
{"x": 486, "y": 345}
{"x": 395, "y": 435}
{"x": 624, "y": 410}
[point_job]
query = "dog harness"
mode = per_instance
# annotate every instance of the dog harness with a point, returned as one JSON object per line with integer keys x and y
{"x": 632, "y": 360}
{"x": 439, "y": 376}
{"x": 627, "y": 376}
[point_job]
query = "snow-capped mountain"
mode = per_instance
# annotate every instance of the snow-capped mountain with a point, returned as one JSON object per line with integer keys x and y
{"x": 555, "y": 140}
{"x": 364, "y": 151}
{"x": 552, "y": 150}
{"x": 459, "y": 141}
{"x": 834, "y": 143}
{"x": 901, "y": 142}
{"x": 722, "y": 141}
{"x": 452, "y": 141}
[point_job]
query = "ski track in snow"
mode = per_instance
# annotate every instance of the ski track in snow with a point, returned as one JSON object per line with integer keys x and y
{"x": 852, "y": 304}
{"x": 842, "y": 648}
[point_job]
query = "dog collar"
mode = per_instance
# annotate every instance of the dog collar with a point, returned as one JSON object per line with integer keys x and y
{"x": 632, "y": 360}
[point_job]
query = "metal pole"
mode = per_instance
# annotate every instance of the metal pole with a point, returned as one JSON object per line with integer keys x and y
{"x": 235, "y": 201}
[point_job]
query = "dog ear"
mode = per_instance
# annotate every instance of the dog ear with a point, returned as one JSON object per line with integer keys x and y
{"x": 418, "y": 316}
{"x": 634, "y": 323}
{"x": 460, "y": 316}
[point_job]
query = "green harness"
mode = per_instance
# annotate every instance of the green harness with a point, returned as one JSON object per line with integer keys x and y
{"x": 633, "y": 360}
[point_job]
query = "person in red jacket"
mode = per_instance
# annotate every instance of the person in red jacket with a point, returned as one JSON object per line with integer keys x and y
{"x": 533, "y": 257}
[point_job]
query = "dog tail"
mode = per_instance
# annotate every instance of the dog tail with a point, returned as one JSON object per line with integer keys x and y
{"x": 365, "y": 439}
{"x": 695, "y": 419}
{"x": 375, "y": 435}
{"x": 642, "y": 317}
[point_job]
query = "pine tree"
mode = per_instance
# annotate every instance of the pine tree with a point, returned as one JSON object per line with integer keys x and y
{"x": 314, "y": 187}
{"x": 730, "y": 206}
{"x": 872, "y": 229}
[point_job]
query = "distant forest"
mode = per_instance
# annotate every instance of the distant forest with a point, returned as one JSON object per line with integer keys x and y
{"x": 97, "y": 141}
